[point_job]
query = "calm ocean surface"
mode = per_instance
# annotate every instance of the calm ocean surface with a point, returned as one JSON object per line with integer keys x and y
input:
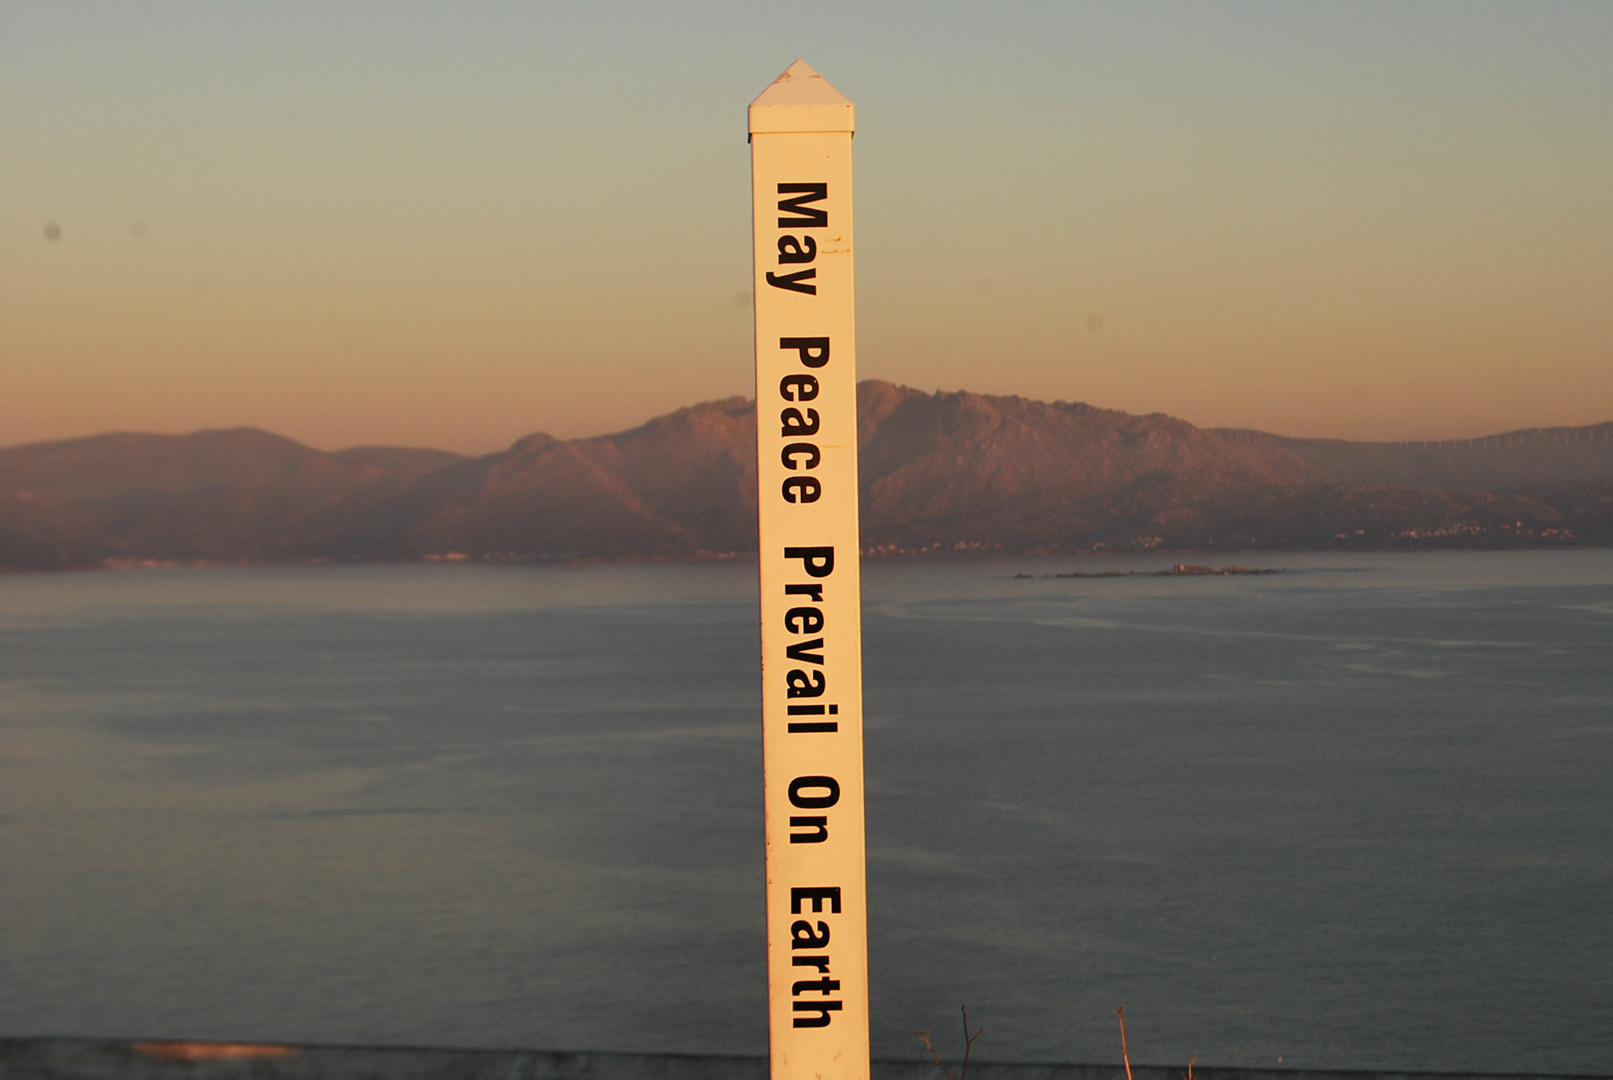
{"x": 1359, "y": 814}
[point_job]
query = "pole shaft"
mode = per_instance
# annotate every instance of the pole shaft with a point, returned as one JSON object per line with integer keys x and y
{"x": 811, "y": 626}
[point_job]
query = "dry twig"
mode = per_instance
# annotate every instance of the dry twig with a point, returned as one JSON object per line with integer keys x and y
{"x": 1120, "y": 1010}
{"x": 968, "y": 1046}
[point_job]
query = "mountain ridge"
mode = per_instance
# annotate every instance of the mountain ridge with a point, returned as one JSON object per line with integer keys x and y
{"x": 953, "y": 471}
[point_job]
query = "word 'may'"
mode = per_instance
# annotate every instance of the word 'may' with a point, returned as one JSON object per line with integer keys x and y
{"x": 802, "y": 248}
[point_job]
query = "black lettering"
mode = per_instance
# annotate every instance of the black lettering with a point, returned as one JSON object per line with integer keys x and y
{"x": 822, "y": 1008}
{"x": 802, "y": 937}
{"x": 814, "y": 351}
{"x": 804, "y": 710}
{"x": 805, "y": 387}
{"x": 798, "y": 651}
{"x": 814, "y": 591}
{"x": 806, "y": 487}
{"x": 816, "y": 895}
{"x": 803, "y": 620}
{"x": 792, "y": 423}
{"x": 819, "y": 561}
{"x": 804, "y": 684}
{"x": 815, "y": 802}
{"x": 791, "y": 250}
{"x": 819, "y": 962}
{"x": 824, "y": 986}
{"x": 807, "y": 727}
{"x": 812, "y": 453}
{"x": 816, "y": 821}
{"x": 806, "y": 217}
{"x": 796, "y": 282}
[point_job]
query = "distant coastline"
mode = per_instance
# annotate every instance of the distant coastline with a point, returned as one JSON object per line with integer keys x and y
{"x": 1179, "y": 570}
{"x": 942, "y": 474}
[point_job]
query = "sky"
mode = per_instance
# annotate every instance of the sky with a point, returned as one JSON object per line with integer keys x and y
{"x": 454, "y": 225}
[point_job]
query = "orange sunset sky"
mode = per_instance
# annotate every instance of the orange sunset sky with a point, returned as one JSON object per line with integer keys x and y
{"x": 453, "y": 225}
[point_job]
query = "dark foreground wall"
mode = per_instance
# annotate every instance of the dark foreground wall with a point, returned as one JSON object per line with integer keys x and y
{"x": 87, "y": 1059}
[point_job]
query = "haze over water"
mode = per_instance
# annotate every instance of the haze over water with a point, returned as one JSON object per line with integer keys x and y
{"x": 1352, "y": 815}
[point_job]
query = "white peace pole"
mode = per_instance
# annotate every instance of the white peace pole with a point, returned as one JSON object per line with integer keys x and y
{"x": 806, "y": 472}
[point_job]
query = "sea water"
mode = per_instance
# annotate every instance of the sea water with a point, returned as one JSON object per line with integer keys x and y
{"x": 1358, "y": 814}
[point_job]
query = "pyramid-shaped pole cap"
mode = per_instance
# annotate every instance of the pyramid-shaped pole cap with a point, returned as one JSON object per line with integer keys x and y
{"x": 801, "y": 100}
